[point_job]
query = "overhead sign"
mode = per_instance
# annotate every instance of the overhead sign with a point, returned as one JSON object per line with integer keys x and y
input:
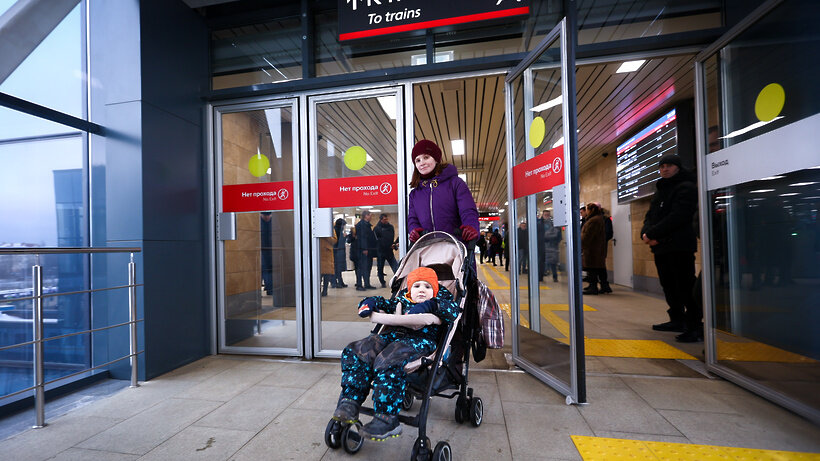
{"x": 265, "y": 196}
{"x": 358, "y": 191}
{"x": 371, "y": 18}
{"x": 540, "y": 173}
{"x": 489, "y": 218}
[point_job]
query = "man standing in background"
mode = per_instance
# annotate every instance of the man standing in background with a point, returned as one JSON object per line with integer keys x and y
{"x": 367, "y": 251}
{"x": 386, "y": 238}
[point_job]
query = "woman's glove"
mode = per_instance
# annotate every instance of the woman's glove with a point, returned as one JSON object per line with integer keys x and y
{"x": 425, "y": 307}
{"x": 367, "y": 307}
{"x": 468, "y": 233}
{"x": 415, "y": 234}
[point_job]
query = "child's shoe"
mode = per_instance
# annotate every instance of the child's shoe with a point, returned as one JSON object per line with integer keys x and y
{"x": 382, "y": 427}
{"x": 347, "y": 411}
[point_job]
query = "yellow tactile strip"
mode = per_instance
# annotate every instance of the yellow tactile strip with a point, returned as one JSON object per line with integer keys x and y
{"x": 635, "y": 348}
{"x": 757, "y": 352}
{"x": 601, "y": 448}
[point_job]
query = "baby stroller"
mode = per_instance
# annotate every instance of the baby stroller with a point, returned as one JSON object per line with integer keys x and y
{"x": 443, "y": 373}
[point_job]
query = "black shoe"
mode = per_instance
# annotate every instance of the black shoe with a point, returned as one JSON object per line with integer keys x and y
{"x": 690, "y": 336}
{"x": 358, "y": 288}
{"x": 347, "y": 411}
{"x": 370, "y": 287}
{"x": 341, "y": 285}
{"x": 669, "y": 326}
{"x": 382, "y": 427}
{"x": 605, "y": 288}
{"x": 591, "y": 291}
{"x": 384, "y": 284}
{"x": 324, "y": 293}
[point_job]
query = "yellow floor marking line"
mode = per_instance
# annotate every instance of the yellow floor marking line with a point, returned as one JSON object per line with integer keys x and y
{"x": 757, "y": 352}
{"x": 633, "y": 348}
{"x": 506, "y": 280}
{"x": 601, "y": 448}
{"x": 490, "y": 280}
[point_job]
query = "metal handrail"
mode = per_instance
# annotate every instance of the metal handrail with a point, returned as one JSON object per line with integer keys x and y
{"x": 37, "y": 320}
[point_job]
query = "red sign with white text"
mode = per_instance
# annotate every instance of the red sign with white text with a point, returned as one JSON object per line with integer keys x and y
{"x": 540, "y": 173}
{"x": 265, "y": 196}
{"x": 358, "y": 191}
{"x": 489, "y": 218}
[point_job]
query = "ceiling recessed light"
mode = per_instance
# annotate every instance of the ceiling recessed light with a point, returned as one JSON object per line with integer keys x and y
{"x": 630, "y": 66}
{"x": 769, "y": 178}
{"x": 388, "y": 103}
{"x": 803, "y": 184}
{"x": 551, "y": 103}
{"x": 458, "y": 146}
{"x": 760, "y": 191}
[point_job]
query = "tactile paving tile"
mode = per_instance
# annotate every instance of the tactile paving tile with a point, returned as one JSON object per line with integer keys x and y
{"x": 601, "y": 448}
{"x": 635, "y": 348}
{"x": 757, "y": 352}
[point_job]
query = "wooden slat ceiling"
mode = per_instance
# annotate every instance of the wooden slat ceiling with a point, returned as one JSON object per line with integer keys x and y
{"x": 610, "y": 107}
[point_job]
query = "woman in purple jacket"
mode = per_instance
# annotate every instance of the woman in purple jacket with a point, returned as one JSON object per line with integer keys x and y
{"x": 439, "y": 199}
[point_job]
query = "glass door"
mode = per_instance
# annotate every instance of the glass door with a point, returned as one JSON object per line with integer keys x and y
{"x": 759, "y": 167}
{"x": 357, "y": 151}
{"x": 542, "y": 156}
{"x": 259, "y": 254}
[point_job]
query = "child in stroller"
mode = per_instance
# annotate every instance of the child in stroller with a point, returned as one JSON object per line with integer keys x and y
{"x": 381, "y": 358}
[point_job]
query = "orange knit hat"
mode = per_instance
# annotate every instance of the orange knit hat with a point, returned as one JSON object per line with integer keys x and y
{"x": 426, "y": 274}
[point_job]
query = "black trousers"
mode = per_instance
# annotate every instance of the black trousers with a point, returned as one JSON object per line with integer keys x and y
{"x": 676, "y": 272}
{"x": 390, "y": 258}
{"x": 363, "y": 270}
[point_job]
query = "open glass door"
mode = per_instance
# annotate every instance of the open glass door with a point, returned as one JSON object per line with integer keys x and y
{"x": 757, "y": 130}
{"x": 542, "y": 156}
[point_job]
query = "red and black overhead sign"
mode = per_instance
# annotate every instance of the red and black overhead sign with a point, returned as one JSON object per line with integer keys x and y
{"x": 371, "y": 18}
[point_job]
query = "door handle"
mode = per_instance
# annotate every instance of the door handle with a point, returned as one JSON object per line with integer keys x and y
{"x": 226, "y": 226}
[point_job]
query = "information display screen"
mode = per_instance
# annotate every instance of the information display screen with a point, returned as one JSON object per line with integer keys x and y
{"x": 637, "y": 167}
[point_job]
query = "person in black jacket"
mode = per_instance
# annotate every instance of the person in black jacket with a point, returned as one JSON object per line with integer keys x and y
{"x": 387, "y": 242}
{"x": 339, "y": 262}
{"x": 367, "y": 249}
{"x": 668, "y": 231}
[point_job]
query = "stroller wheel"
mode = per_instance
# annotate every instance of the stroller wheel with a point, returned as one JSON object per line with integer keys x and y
{"x": 333, "y": 432}
{"x": 476, "y": 411}
{"x": 352, "y": 441}
{"x": 462, "y": 410}
{"x": 407, "y": 401}
{"x": 442, "y": 452}
{"x": 421, "y": 450}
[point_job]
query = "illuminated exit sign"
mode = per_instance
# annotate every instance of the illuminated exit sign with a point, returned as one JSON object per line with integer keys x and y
{"x": 371, "y": 18}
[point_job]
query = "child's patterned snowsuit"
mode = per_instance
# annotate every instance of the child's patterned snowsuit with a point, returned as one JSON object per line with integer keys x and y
{"x": 380, "y": 359}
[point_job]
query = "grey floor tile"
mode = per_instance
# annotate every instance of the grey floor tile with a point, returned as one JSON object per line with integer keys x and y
{"x": 251, "y": 410}
{"x": 131, "y": 401}
{"x": 622, "y": 410}
{"x": 297, "y": 375}
{"x": 519, "y": 387}
{"x": 200, "y": 443}
{"x": 142, "y": 433}
{"x": 200, "y": 370}
{"x": 678, "y": 394}
{"x": 322, "y": 395}
{"x": 79, "y": 454}
{"x": 58, "y": 436}
{"x": 644, "y": 437}
{"x": 444, "y": 409}
{"x": 295, "y": 434}
{"x": 227, "y": 385}
{"x": 543, "y": 431}
{"x": 744, "y": 431}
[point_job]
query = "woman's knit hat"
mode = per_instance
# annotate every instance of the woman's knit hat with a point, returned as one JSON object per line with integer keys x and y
{"x": 426, "y": 274}
{"x": 426, "y": 147}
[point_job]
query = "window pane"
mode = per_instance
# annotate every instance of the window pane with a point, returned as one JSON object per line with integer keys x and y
{"x": 16, "y": 125}
{"x": 270, "y": 52}
{"x": 52, "y": 75}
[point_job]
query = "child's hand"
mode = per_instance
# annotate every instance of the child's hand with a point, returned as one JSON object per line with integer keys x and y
{"x": 367, "y": 306}
{"x": 424, "y": 307}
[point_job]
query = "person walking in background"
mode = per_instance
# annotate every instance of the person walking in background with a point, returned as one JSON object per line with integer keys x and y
{"x": 552, "y": 238}
{"x": 523, "y": 248}
{"x": 339, "y": 261}
{"x": 367, "y": 251}
{"x": 266, "y": 247}
{"x": 387, "y": 241}
{"x": 482, "y": 246}
{"x": 439, "y": 200}
{"x": 593, "y": 247}
{"x": 608, "y": 234}
{"x": 506, "y": 245}
{"x": 326, "y": 263}
{"x": 495, "y": 247}
{"x": 668, "y": 231}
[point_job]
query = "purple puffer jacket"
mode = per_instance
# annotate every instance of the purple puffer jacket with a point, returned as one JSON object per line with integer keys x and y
{"x": 442, "y": 203}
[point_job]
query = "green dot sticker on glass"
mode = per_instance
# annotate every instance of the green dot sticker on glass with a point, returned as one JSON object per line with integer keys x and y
{"x": 537, "y": 130}
{"x": 258, "y": 165}
{"x": 770, "y": 102}
{"x": 355, "y": 157}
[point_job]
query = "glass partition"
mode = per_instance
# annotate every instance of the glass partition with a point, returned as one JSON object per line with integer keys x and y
{"x": 762, "y": 174}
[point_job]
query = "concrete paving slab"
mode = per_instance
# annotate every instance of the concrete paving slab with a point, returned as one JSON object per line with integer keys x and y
{"x": 78, "y": 454}
{"x": 227, "y": 385}
{"x": 131, "y": 401}
{"x": 538, "y": 431}
{"x": 622, "y": 410}
{"x": 200, "y": 443}
{"x": 142, "y": 433}
{"x": 645, "y": 437}
{"x": 200, "y": 370}
{"x": 251, "y": 410}
{"x": 678, "y": 394}
{"x": 296, "y": 434}
{"x": 518, "y": 387}
{"x": 297, "y": 375}
{"x": 59, "y": 435}
{"x": 322, "y": 396}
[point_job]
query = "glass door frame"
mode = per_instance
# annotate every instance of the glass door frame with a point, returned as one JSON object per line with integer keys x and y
{"x": 216, "y": 112}
{"x": 309, "y": 140}
{"x": 565, "y": 32}
{"x": 707, "y": 253}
